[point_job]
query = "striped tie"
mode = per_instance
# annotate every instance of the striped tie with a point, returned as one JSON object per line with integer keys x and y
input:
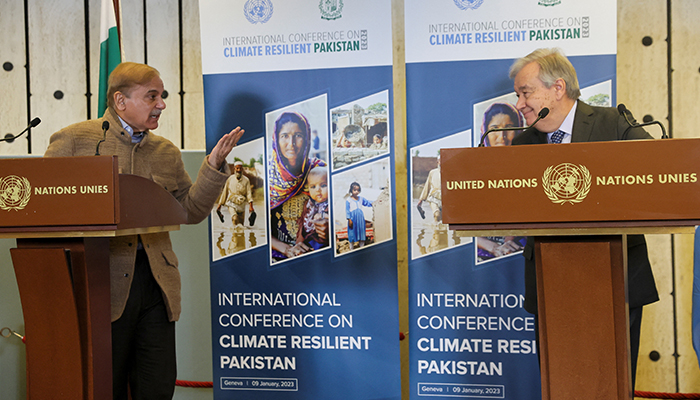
{"x": 557, "y": 136}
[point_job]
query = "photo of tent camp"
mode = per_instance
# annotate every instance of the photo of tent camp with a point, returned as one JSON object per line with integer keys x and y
{"x": 360, "y": 130}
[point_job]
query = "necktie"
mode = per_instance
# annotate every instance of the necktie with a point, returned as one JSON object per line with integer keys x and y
{"x": 136, "y": 137}
{"x": 557, "y": 136}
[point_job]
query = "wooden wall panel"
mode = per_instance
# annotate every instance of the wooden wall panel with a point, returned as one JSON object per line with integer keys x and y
{"x": 641, "y": 70}
{"x": 132, "y": 17}
{"x": 57, "y": 64}
{"x": 402, "y": 203}
{"x": 163, "y": 54}
{"x": 642, "y": 87}
{"x": 688, "y": 372}
{"x": 685, "y": 62}
{"x": 13, "y": 97}
{"x": 192, "y": 71}
{"x": 657, "y": 324}
{"x": 94, "y": 11}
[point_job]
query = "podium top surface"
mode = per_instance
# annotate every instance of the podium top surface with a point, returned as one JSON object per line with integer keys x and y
{"x": 81, "y": 197}
{"x": 644, "y": 186}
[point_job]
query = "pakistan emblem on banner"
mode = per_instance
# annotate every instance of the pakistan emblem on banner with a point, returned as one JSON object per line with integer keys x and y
{"x": 14, "y": 192}
{"x": 258, "y": 11}
{"x": 549, "y": 3}
{"x": 331, "y": 9}
{"x": 468, "y": 4}
{"x": 566, "y": 183}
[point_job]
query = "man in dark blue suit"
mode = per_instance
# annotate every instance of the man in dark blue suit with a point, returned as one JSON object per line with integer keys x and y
{"x": 546, "y": 78}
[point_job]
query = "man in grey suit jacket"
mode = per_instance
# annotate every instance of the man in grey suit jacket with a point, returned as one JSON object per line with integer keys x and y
{"x": 546, "y": 78}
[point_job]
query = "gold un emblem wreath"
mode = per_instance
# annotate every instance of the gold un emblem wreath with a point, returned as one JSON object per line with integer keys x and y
{"x": 566, "y": 183}
{"x": 14, "y": 192}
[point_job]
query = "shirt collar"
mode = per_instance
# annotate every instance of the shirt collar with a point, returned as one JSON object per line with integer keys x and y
{"x": 130, "y": 131}
{"x": 126, "y": 126}
{"x": 567, "y": 126}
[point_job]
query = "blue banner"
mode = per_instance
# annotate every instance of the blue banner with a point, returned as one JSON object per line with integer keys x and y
{"x": 470, "y": 336}
{"x": 303, "y": 273}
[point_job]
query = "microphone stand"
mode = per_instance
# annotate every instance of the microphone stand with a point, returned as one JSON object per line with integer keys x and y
{"x": 624, "y": 112}
{"x": 10, "y": 138}
{"x": 105, "y": 128}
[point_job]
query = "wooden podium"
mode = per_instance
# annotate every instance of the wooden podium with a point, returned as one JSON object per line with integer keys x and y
{"x": 579, "y": 201}
{"x": 63, "y": 212}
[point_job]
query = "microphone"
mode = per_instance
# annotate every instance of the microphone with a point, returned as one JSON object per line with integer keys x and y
{"x": 622, "y": 109}
{"x": 543, "y": 113}
{"x": 10, "y": 138}
{"x": 105, "y": 128}
{"x": 624, "y": 112}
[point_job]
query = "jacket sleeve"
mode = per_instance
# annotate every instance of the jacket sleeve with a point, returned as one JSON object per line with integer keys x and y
{"x": 61, "y": 144}
{"x": 198, "y": 198}
{"x": 632, "y": 133}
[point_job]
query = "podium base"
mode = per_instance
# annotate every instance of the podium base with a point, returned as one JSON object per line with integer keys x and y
{"x": 583, "y": 321}
{"x": 65, "y": 292}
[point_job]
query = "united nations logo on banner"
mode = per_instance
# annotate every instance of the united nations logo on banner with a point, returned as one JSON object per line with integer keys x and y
{"x": 468, "y": 4}
{"x": 566, "y": 183}
{"x": 258, "y": 11}
{"x": 331, "y": 9}
{"x": 14, "y": 192}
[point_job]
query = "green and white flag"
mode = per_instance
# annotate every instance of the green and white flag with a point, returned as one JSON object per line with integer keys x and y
{"x": 110, "y": 52}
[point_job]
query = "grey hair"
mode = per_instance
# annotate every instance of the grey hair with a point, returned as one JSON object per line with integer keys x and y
{"x": 553, "y": 65}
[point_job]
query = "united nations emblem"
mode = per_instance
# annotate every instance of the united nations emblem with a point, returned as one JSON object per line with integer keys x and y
{"x": 331, "y": 9}
{"x": 258, "y": 11}
{"x": 468, "y": 4}
{"x": 566, "y": 183}
{"x": 14, "y": 192}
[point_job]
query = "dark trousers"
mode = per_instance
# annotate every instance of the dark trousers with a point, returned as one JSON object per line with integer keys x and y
{"x": 143, "y": 341}
{"x": 635, "y": 331}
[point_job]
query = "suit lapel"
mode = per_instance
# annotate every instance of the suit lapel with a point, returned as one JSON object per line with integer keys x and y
{"x": 583, "y": 123}
{"x": 531, "y": 136}
{"x": 542, "y": 137}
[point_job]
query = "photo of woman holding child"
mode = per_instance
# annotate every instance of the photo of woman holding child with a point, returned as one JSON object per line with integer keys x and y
{"x": 298, "y": 190}
{"x": 315, "y": 210}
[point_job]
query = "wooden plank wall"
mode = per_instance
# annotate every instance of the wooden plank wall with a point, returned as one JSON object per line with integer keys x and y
{"x": 13, "y": 96}
{"x": 685, "y": 85}
{"x": 402, "y": 204}
{"x": 648, "y": 30}
{"x": 47, "y": 47}
{"x": 636, "y": 63}
{"x": 64, "y": 44}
